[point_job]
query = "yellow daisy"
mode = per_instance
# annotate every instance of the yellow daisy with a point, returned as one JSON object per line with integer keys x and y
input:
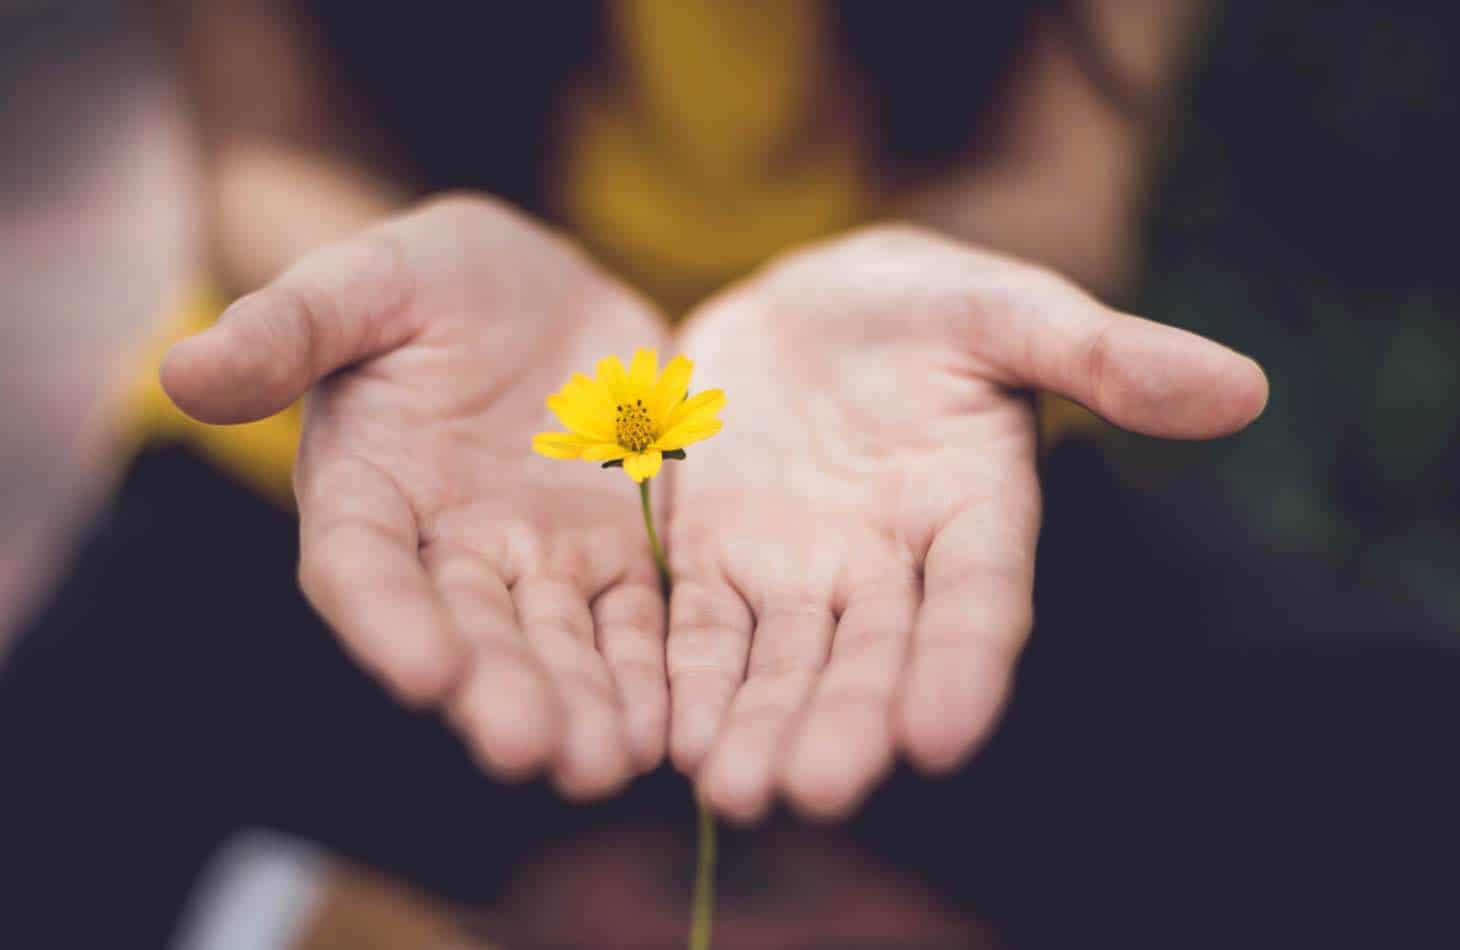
{"x": 634, "y": 418}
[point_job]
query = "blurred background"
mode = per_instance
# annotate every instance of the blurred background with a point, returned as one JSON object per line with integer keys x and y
{"x": 96, "y": 230}
{"x": 1288, "y": 189}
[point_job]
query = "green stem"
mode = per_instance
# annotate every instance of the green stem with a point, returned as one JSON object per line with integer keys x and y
{"x": 704, "y": 900}
{"x": 704, "y": 897}
{"x": 659, "y": 560}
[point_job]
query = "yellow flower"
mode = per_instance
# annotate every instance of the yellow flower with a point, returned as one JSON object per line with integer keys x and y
{"x": 635, "y": 419}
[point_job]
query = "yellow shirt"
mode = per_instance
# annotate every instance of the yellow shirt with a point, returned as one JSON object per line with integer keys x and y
{"x": 726, "y": 137}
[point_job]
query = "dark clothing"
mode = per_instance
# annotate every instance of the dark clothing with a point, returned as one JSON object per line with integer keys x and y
{"x": 1150, "y": 786}
{"x": 468, "y": 95}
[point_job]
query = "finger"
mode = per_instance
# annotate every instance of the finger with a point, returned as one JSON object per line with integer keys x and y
{"x": 593, "y": 757}
{"x": 505, "y": 709}
{"x": 358, "y": 566}
{"x": 629, "y": 620}
{"x": 978, "y": 583}
{"x": 789, "y": 650}
{"x": 845, "y": 741}
{"x": 1145, "y": 376}
{"x": 706, "y": 653}
{"x": 337, "y": 306}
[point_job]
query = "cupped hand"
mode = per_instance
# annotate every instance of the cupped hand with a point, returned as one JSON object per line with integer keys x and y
{"x": 516, "y": 593}
{"x": 854, "y": 553}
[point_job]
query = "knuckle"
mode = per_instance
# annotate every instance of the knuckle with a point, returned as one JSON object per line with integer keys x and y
{"x": 423, "y": 680}
{"x": 295, "y": 338}
{"x": 472, "y": 212}
{"x": 695, "y": 607}
{"x": 314, "y": 578}
{"x": 492, "y": 227}
{"x": 894, "y": 236}
{"x": 640, "y": 670}
{"x": 705, "y": 651}
{"x": 638, "y": 606}
{"x": 273, "y": 336}
{"x": 383, "y": 272}
{"x": 329, "y": 298}
{"x": 457, "y": 203}
{"x": 868, "y": 693}
{"x": 454, "y": 569}
{"x": 888, "y": 247}
{"x": 1096, "y": 365}
{"x": 868, "y": 649}
{"x": 702, "y": 679}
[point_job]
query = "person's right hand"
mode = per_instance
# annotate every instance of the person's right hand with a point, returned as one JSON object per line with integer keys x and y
{"x": 515, "y": 592}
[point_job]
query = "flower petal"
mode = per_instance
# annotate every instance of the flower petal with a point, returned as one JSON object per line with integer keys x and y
{"x": 596, "y": 403}
{"x": 699, "y": 407}
{"x": 669, "y": 390}
{"x": 586, "y": 417}
{"x": 589, "y": 390}
{"x": 611, "y": 373}
{"x": 605, "y": 452}
{"x": 643, "y": 370}
{"x": 687, "y": 433}
{"x": 643, "y": 465}
{"x": 559, "y": 445}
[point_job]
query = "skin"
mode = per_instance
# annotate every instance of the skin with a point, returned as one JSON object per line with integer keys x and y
{"x": 515, "y": 593}
{"x": 870, "y": 508}
{"x": 853, "y": 554}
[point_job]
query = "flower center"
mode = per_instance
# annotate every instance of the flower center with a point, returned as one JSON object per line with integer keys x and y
{"x": 635, "y": 429}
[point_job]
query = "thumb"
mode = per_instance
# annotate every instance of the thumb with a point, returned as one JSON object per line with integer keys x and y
{"x": 339, "y": 305}
{"x": 1141, "y": 375}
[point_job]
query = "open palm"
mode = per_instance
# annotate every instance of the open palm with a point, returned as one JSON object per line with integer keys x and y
{"x": 464, "y": 571}
{"x": 854, "y": 554}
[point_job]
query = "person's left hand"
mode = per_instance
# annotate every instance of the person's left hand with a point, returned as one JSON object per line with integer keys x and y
{"x": 854, "y": 555}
